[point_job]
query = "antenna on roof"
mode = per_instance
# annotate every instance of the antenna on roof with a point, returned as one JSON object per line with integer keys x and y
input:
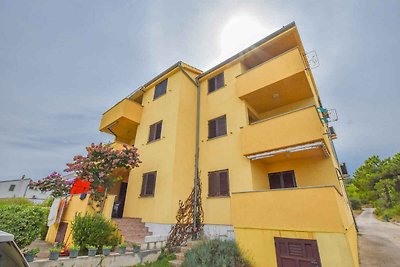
{"x": 312, "y": 59}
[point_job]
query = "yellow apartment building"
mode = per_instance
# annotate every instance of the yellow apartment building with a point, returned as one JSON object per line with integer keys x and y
{"x": 253, "y": 129}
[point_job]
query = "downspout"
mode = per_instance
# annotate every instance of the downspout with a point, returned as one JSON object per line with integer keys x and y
{"x": 341, "y": 178}
{"x": 196, "y": 155}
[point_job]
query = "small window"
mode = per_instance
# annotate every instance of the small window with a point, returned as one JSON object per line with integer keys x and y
{"x": 282, "y": 180}
{"x": 218, "y": 183}
{"x": 148, "y": 184}
{"x": 217, "y": 127}
{"x": 12, "y": 187}
{"x": 161, "y": 89}
{"x": 216, "y": 82}
{"x": 155, "y": 131}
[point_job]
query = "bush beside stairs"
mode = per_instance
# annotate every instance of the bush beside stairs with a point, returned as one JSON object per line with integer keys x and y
{"x": 132, "y": 229}
{"x": 180, "y": 253}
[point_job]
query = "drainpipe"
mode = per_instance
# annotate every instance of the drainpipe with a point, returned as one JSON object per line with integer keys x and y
{"x": 344, "y": 186}
{"x": 196, "y": 156}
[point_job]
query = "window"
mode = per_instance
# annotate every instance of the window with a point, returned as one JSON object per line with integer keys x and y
{"x": 155, "y": 131}
{"x": 161, "y": 89}
{"x": 282, "y": 180}
{"x": 216, "y": 82}
{"x": 218, "y": 183}
{"x": 148, "y": 184}
{"x": 12, "y": 187}
{"x": 217, "y": 127}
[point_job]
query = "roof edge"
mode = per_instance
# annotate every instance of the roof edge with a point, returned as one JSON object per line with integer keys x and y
{"x": 168, "y": 70}
{"x": 248, "y": 49}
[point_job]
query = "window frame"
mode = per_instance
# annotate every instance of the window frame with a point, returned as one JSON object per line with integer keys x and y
{"x": 281, "y": 179}
{"x": 218, "y": 190}
{"x": 145, "y": 179}
{"x": 11, "y": 188}
{"x": 153, "y": 134}
{"x": 161, "y": 91}
{"x": 217, "y": 84}
{"x": 217, "y": 126}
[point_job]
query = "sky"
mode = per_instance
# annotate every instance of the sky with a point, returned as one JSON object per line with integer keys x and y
{"x": 63, "y": 63}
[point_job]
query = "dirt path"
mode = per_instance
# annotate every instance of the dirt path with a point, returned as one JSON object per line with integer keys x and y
{"x": 379, "y": 242}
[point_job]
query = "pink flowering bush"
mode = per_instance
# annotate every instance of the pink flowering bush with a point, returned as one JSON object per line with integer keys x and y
{"x": 53, "y": 183}
{"x": 98, "y": 165}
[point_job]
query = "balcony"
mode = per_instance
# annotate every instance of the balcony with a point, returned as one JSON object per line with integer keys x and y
{"x": 291, "y": 129}
{"x": 122, "y": 120}
{"x": 320, "y": 208}
{"x": 279, "y": 81}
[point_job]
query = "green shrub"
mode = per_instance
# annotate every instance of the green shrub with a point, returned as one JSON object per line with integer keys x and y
{"x": 162, "y": 260}
{"x": 93, "y": 230}
{"x": 215, "y": 253}
{"x": 24, "y": 222}
{"x": 355, "y": 203}
{"x": 15, "y": 201}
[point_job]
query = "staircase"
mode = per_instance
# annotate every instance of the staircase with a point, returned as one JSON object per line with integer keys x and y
{"x": 180, "y": 254}
{"x": 133, "y": 229}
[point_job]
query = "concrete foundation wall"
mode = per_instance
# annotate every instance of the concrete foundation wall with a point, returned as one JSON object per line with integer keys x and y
{"x": 113, "y": 260}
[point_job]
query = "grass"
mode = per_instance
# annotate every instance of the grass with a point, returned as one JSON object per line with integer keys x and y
{"x": 162, "y": 261}
{"x": 15, "y": 201}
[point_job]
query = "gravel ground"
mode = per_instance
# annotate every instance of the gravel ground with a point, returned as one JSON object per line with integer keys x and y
{"x": 379, "y": 242}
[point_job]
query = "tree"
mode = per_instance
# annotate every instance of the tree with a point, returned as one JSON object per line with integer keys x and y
{"x": 53, "y": 183}
{"x": 98, "y": 166}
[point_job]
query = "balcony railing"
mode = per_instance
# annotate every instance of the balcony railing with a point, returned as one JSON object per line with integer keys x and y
{"x": 293, "y": 128}
{"x": 122, "y": 119}
{"x": 320, "y": 208}
{"x": 270, "y": 72}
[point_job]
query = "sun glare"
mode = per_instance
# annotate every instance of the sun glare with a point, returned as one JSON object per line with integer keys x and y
{"x": 239, "y": 33}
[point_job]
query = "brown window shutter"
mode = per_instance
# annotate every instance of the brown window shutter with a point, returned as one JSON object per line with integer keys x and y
{"x": 224, "y": 183}
{"x": 221, "y": 125}
{"x": 212, "y": 128}
{"x": 213, "y": 184}
{"x": 211, "y": 85}
{"x": 220, "y": 82}
{"x": 158, "y": 127}
{"x": 152, "y": 133}
{"x": 151, "y": 183}
{"x": 144, "y": 181}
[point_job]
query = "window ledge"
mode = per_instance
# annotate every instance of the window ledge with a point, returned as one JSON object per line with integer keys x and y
{"x": 209, "y": 139}
{"x": 218, "y": 197}
{"x": 145, "y": 196}
{"x": 153, "y": 141}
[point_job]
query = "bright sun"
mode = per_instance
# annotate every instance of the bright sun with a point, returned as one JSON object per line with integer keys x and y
{"x": 239, "y": 33}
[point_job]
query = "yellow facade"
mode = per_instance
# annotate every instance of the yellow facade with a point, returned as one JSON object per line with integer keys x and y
{"x": 273, "y": 125}
{"x": 77, "y": 206}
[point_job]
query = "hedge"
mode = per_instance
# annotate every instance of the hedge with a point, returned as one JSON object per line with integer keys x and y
{"x": 25, "y": 222}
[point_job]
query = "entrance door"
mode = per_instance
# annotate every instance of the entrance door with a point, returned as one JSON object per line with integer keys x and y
{"x": 62, "y": 229}
{"x": 297, "y": 252}
{"x": 118, "y": 208}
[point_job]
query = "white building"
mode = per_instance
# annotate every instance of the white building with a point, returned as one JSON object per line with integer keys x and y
{"x": 20, "y": 188}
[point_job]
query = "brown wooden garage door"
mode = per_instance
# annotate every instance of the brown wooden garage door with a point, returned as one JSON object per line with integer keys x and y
{"x": 292, "y": 252}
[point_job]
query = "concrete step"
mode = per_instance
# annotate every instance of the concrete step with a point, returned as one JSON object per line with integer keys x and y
{"x": 180, "y": 256}
{"x": 176, "y": 263}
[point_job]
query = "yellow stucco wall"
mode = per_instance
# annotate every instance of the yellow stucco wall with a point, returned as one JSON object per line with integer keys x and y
{"x": 223, "y": 152}
{"x": 77, "y": 206}
{"x": 172, "y": 156}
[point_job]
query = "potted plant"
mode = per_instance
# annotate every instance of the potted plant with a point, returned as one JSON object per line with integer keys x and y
{"x": 106, "y": 250}
{"x": 136, "y": 247}
{"x": 30, "y": 254}
{"x": 54, "y": 253}
{"x": 122, "y": 248}
{"x": 73, "y": 251}
{"x": 92, "y": 251}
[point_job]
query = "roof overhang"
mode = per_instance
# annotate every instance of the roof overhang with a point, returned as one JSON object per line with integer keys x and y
{"x": 293, "y": 149}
